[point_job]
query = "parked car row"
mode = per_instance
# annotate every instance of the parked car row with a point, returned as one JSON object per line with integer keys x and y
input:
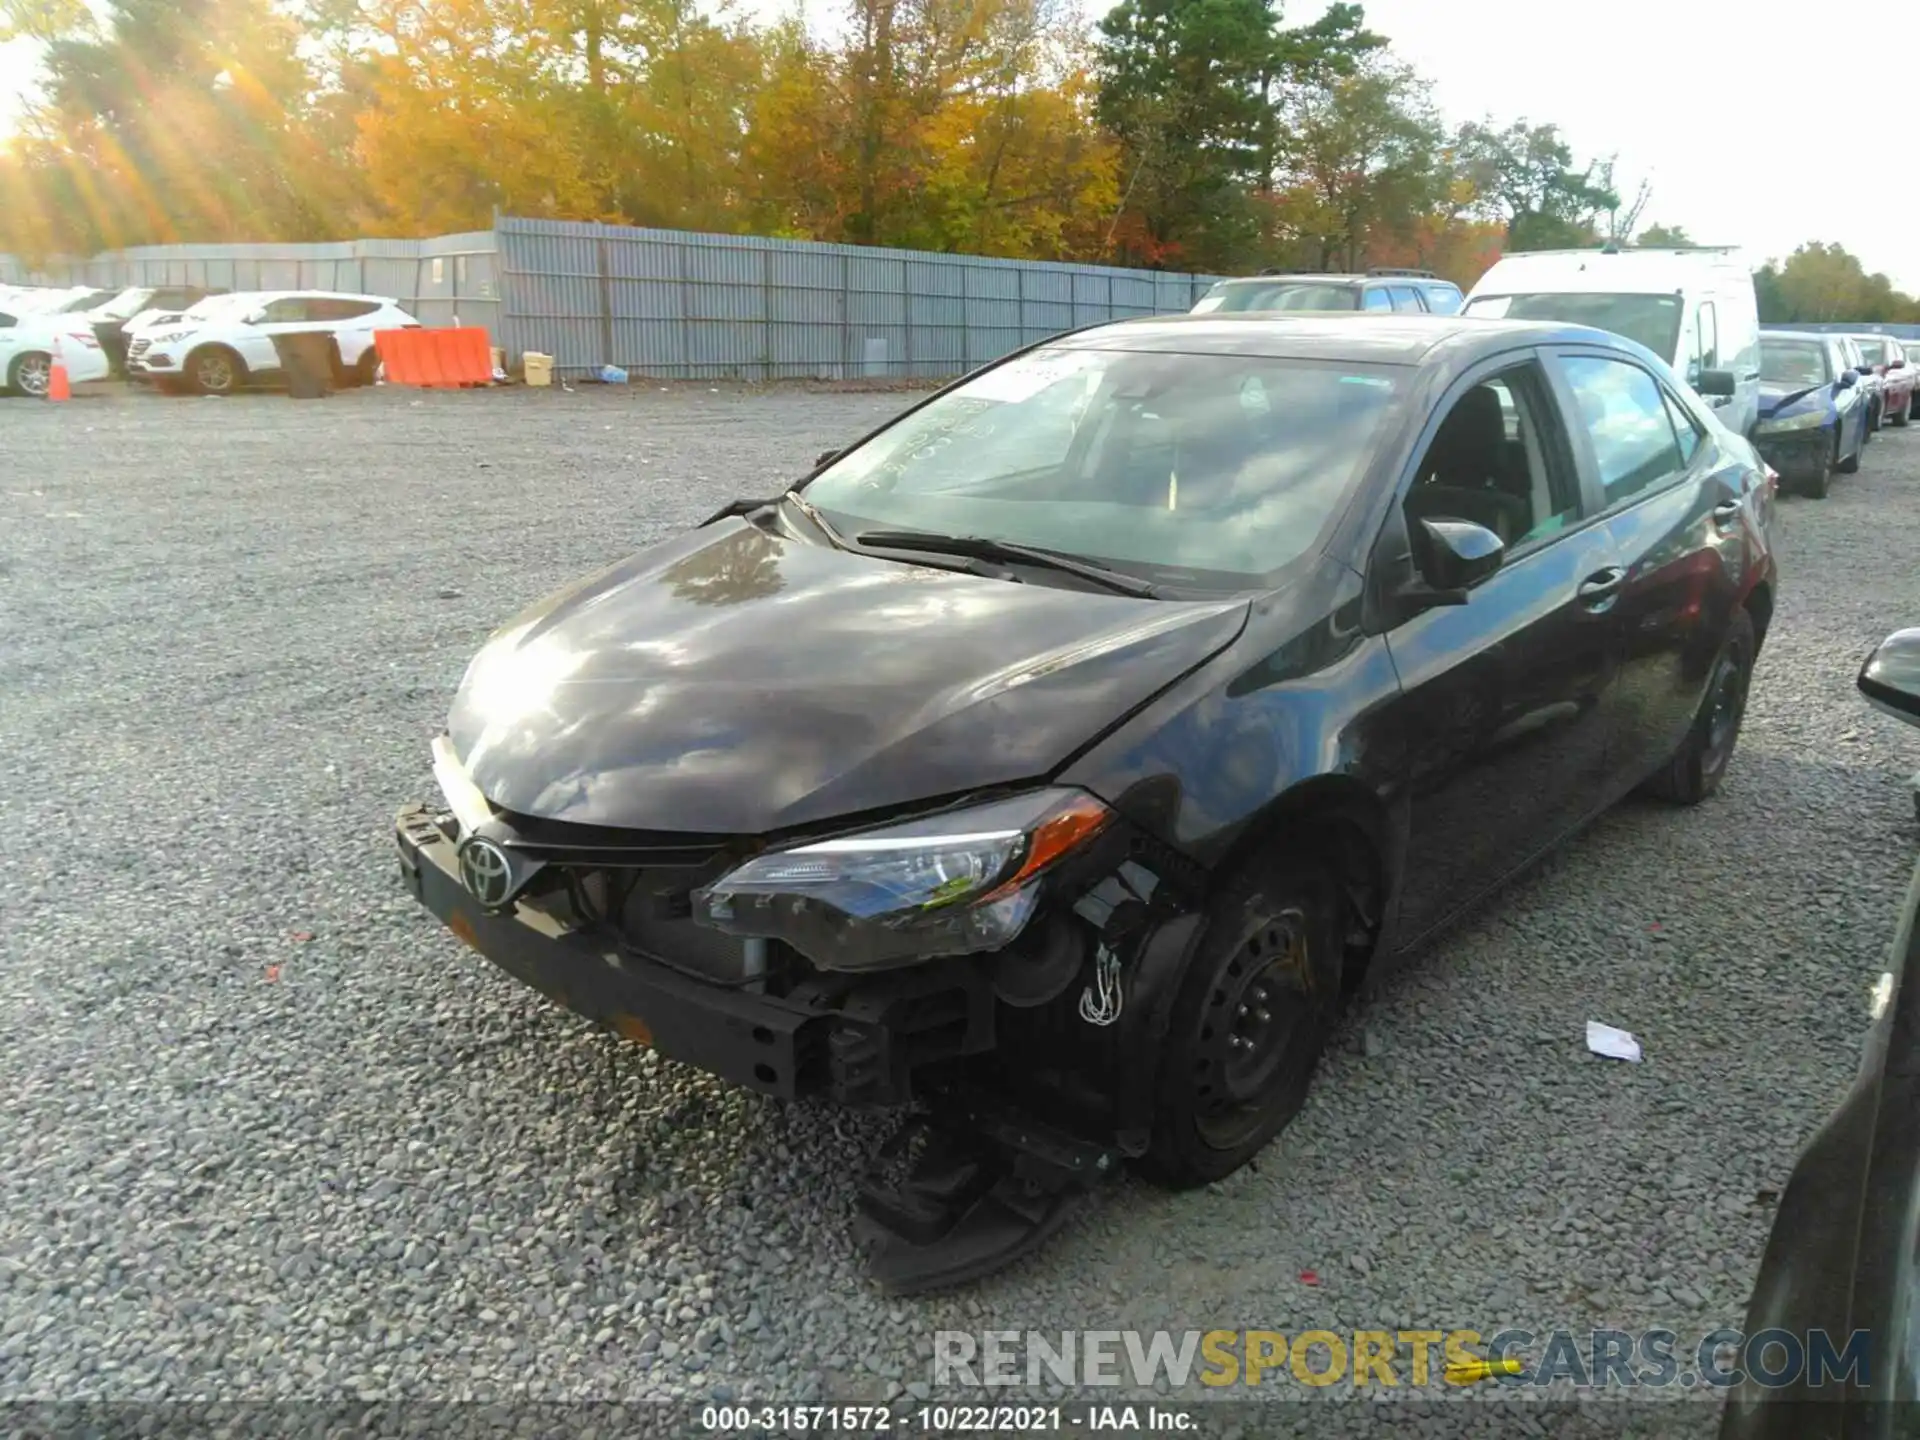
{"x": 1822, "y": 397}
{"x": 184, "y": 337}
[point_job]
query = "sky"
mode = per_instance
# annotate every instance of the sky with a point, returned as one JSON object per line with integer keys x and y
{"x": 1716, "y": 107}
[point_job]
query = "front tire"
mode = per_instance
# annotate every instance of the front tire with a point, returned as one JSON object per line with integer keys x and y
{"x": 1816, "y": 486}
{"x": 1250, "y": 1021}
{"x": 1695, "y": 772}
{"x": 215, "y": 370}
{"x": 1851, "y": 465}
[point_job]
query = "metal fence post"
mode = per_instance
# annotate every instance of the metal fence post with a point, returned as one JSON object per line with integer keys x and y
{"x": 1020, "y": 282}
{"x": 681, "y": 247}
{"x": 766, "y": 315}
{"x": 606, "y": 302}
{"x": 846, "y": 318}
{"x": 906, "y": 305}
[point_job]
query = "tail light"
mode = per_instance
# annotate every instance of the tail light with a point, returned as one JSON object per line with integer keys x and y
{"x": 1773, "y": 482}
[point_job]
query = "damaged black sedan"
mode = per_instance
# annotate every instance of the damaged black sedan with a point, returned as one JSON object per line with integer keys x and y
{"x": 1055, "y": 760}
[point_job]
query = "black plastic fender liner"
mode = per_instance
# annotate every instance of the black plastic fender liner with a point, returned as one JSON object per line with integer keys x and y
{"x": 1152, "y": 980}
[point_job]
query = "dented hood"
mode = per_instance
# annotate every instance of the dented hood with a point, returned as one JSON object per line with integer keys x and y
{"x": 737, "y": 681}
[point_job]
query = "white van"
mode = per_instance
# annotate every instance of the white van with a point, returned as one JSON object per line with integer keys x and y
{"x": 1693, "y": 308}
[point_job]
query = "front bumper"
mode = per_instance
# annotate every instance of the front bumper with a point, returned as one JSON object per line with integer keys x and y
{"x": 858, "y": 1045}
{"x": 1797, "y": 454}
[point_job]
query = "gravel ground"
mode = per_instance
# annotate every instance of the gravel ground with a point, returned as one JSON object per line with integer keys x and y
{"x": 270, "y": 1134}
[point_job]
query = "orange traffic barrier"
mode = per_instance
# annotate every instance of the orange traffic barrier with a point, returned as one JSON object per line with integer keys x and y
{"x": 436, "y": 359}
{"x": 58, "y": 386}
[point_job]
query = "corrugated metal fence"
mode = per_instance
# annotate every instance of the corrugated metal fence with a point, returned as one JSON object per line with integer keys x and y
{"x": 669, "y": 303}
{"x": 676, "y": 305}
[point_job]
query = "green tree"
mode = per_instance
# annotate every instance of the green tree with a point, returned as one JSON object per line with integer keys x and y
{"x": 1821, "y": 281}
{"x": 1669, "y": 237}
{"x": 1193, "y": 91}
{"x": 1525, "y": 176}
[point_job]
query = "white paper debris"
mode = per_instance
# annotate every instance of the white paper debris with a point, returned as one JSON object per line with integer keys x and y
{"x": 1612, "y": 1043}
{"x": 1881, "y": 993}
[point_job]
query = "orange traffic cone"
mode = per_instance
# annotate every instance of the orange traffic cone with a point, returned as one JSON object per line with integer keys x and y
{"x": 58, "y": 387}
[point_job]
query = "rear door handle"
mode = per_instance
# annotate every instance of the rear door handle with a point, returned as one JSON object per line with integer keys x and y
{"x": 1726, "y": 512}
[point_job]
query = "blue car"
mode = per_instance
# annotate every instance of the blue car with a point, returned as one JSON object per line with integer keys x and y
{"x": 1813, "y": 410}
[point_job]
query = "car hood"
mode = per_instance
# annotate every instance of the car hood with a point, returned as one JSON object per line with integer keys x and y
{"x": 739, "y": 680}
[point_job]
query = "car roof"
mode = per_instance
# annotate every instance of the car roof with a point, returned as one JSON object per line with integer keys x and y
{"x": 1766, "y": 335}
{"x": 1377, "y": 338}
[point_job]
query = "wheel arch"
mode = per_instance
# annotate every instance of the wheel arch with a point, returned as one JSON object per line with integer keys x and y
{"x": 1339, "y": 819}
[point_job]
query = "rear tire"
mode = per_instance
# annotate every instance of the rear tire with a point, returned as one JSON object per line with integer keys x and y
{"x": 31, "y": 374}
{"x": 1695, "y": 772}
{"x": 1251, "y": 1018}
{"x": 1906, "y": 413}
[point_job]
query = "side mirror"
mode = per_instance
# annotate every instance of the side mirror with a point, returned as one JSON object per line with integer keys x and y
{"x": 1720, "y": 384}
{"x": 1896, "y": 364}
{"x": 254, "y": 317}
{"x": 1891, "y": 677}
{"x": 1452, "y": 557}
{"x": 826, "y": 457}
{"x": 1848, "y": 379}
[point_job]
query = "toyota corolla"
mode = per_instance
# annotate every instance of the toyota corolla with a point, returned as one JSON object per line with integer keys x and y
{"x": 1053, "y": 762}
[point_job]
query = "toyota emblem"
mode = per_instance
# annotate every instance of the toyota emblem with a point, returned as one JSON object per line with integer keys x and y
{"x": 486, "y": 872}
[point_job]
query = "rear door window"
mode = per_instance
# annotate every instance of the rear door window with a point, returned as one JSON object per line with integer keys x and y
{"x": 1442, "y": 299}
{"x": 1708, "y": 322}
{"x": 287, "y": 309}
{"x": 1376, "y": 298}
{"x": 1405, "y": 297}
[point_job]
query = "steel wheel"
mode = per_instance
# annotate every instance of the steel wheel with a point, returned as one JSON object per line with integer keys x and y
{"x": 33, "y": 375}
{"x": 1253, "y": 1013}
{"x": 1255, "y": 1016}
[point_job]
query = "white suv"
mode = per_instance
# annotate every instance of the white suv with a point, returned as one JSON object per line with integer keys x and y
{"x": 226, "y": 341}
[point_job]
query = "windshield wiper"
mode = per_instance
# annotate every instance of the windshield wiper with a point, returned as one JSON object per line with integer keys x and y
{"x": 981, "y": 547}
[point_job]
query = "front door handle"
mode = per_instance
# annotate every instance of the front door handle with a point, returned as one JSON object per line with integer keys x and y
{"x": 1597, "y": 590}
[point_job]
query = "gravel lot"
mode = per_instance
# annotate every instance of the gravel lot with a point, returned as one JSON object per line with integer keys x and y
{"x": 269, "y": 1133}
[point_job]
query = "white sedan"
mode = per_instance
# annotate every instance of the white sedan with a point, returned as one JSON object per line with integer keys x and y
{"x": 30, "y": 342}
{"x": 226, "y": 342}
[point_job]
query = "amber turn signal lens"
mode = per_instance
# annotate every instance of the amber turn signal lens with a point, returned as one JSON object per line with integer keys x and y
{"x": 1076, "y": 822}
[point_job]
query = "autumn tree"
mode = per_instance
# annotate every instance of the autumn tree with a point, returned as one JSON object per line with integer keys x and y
{"x": 1361, "y": 162}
